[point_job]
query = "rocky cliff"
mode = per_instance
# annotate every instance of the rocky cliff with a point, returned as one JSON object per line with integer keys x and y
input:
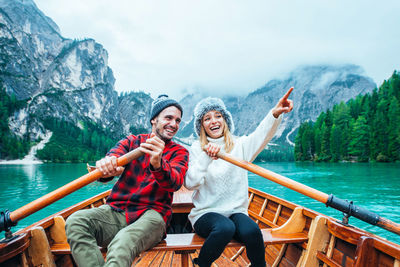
{"x": 70, "y": 80}
{"x": 58, "y": 77}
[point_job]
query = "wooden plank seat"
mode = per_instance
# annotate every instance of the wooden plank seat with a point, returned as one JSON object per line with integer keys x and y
{"x": 186, "y": 244}
{"x": 64, "y": 249}
{"x": 192, "y": 241}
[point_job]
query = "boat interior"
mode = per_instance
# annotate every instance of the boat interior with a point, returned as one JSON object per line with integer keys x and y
{"x": 293, "y": 236}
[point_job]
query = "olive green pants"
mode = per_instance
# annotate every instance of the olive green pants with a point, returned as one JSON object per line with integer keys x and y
{"x": 87, "y": 229}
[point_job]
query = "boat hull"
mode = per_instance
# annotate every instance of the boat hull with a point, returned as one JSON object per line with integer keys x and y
{"x": 329, "y": 242}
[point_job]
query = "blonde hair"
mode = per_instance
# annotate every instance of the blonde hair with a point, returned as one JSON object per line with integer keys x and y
{"x": 228, "y": 139}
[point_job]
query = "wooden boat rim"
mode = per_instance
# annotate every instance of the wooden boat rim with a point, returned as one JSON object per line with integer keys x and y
{"x": 45, "y": 222}
{"x": 284, "y": 222}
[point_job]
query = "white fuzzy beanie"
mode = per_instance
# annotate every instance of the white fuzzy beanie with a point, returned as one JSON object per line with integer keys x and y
{"x": 208, "y": 104}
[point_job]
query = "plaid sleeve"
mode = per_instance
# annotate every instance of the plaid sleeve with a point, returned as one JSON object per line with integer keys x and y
{"x": 122, "y": 147}
{"x": 172, "y": 172}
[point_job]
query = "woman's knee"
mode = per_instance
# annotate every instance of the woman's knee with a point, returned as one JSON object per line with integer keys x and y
{"x": 214, "y": 224}
{"x": 253, "y": 232}
{"x": 251, "y": 235}
{"x": 248, "y": 231}
{"x": 226, "y": 229}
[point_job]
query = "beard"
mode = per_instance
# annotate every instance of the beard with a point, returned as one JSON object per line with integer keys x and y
{"x": 162, "y": 136}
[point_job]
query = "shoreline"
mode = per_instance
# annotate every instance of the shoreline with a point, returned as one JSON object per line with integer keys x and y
{"x": 20, "y": 162}
{"x": 30, "y": 159}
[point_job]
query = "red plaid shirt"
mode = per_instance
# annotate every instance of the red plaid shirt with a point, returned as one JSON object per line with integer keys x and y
{"x": 140, "y": 187}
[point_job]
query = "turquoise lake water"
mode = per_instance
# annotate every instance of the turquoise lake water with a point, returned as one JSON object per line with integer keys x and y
{"x": 374, "y": 186}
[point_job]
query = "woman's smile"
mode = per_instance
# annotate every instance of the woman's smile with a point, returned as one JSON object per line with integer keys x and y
{"x": 213, "y": 123}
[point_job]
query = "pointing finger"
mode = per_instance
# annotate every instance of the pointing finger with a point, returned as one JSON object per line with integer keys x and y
{"x": 287, "y": 93}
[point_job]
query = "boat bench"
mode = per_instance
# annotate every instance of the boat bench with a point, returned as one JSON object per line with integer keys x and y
{"x": 186, "y": 244}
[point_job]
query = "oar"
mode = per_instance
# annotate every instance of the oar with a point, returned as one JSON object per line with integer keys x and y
{"x": 330, "y": 200}
{"x": 8, "y": 219}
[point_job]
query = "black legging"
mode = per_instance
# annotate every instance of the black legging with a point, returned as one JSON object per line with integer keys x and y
{"x": 219, "y": 230}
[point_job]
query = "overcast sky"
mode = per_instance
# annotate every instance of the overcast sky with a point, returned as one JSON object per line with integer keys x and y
{"x": 230, "y": 46}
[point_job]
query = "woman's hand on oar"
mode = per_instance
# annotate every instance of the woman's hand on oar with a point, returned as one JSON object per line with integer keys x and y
{"x": 212, "y": 150}
{"x": 284, "y": 105}
{"x": 108, "y": 167}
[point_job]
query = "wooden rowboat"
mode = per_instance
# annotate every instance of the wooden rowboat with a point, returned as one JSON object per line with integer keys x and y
{"x": 294, "y": 236}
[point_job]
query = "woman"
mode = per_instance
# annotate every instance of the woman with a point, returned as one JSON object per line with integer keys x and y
{"x": 220, "y": 189}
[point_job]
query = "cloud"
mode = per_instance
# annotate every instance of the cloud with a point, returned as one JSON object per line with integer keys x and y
{"x": 230, "y": 46}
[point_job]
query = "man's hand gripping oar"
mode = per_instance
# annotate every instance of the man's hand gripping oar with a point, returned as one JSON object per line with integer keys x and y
{"x": 9, "y": 219}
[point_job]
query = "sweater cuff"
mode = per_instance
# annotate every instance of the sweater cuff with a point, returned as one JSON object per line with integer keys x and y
{"x": 204, "y": 160}
{"x": 273, "y": 117}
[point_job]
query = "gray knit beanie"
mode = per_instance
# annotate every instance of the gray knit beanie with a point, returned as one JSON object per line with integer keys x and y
{"x": 161, "y": 103}
{"x": 208, "y": 104}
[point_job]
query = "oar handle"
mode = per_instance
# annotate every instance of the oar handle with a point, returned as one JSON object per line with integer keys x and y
{"x": 389, "y": 225}
{"x": 329, "y": 200}
{"x": 67, "y": 189}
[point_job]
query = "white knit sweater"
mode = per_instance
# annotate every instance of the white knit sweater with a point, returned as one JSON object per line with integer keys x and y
{"x": 219, "y": 186}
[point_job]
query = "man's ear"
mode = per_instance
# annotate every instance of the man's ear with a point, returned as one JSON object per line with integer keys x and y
{"x": 153, "y": 121}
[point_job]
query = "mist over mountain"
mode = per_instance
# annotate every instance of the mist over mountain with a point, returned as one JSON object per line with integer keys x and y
{"x": 316, "y": 89}
{"x": 70, "y": 80}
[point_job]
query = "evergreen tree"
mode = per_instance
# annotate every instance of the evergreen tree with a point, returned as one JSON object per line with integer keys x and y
{"x": 325, "y": 142}
{"x": 366, "y": 128}
{"x": 335, "y": 143}
{"x": 355, "y": 106}
{"x": 381, "y": 129}
{"x": 318, "y": 135}
{"x": 358, "y": 146}
{"x": 72, "y": 144}
{"x": 394, "y": 130}
{"x": 307, "y": 142}
{"x": 298, "y": 148}
{"x": 11, "y": 146}
{"x": 395, "y": 85}
{"x": 317, "y": 142}
{"x": 341, "y": 119}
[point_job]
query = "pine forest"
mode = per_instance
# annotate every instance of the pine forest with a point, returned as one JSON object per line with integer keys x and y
{"x": 365, "y": 129}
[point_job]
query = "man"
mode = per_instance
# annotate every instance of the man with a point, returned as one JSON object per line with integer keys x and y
{"x": 138, "y": 210}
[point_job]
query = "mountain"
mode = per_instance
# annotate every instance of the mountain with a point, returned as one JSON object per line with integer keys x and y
{"x": 316, "y": 89}
{"x": 57, "y": 77}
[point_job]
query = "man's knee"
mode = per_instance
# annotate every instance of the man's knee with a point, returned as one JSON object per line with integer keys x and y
{"x": 76, "y": 221}
{"x": 153, "y": 220}
{"x": 141, "y": 235}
